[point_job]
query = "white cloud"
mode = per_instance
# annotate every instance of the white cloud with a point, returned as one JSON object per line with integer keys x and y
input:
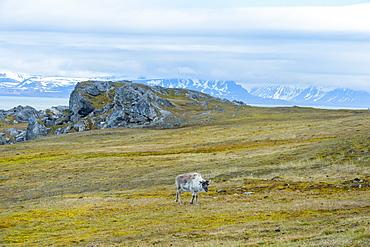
{"x": 186, "y": 70}
{"x": 149, "y": 38}
{"x": 142, "y": 16}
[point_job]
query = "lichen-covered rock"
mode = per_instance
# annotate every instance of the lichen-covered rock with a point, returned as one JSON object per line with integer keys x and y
{"x": 79, "y": 101}
{"x": 14, "y": 116}
{"x": 13, "y": 131}
{"x": 24, "y": 113}
{"x": 196, "y": 95}
{"x": 20, "y": 137}
{"x": 131, "y": 105}
{"x": 4, "y": 140}
{"x": 116, "y": 105}
{"x": 20, "y": 113}
{"x": 35, "y": 129}
{"x": 79, "y": 105}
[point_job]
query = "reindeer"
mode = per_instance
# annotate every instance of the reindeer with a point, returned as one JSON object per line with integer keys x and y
{"x": 191, "y": 182}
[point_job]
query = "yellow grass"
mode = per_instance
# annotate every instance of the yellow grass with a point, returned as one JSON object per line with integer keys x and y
{"x": 292, "y": 176}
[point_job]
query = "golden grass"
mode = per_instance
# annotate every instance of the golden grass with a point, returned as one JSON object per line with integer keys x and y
{"x": 292, "y": 176}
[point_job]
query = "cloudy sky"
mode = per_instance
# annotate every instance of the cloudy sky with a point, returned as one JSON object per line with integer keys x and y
{"x": 293, "y": 42}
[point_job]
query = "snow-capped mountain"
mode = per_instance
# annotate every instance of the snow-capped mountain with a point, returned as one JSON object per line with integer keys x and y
{"x": 276, "y": 92}
{"x": 315, "y": 96}
{"x": 27, "y": 85}
{"x": 220, "y": 89}
{"x": 216, "y": 88}
{"x": 58, "y": 86}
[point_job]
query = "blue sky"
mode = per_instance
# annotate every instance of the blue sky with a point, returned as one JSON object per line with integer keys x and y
{"x": 258, "y": 3}
{"x": 292, "y": 42}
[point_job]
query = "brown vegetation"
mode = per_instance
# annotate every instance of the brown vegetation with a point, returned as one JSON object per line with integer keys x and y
{"x": 280, "y": 176}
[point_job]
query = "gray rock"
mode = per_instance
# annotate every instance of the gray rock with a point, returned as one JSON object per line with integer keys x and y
{"x": 160, "y": 90}
{"x": 178, "y": 92}
{"x": 131, "y": 104}
{"x": 12, "y": 132}
{"x": 196, "y": 95}
{"x": 103, "y": 86}
{"x": 238, "y": 103}
{"x": 35, "y": 129}
{"x": 93, "y": 90}
{"x": 20, "y": 137}
{"x": 221, "y": 191}
{"x": 59, "y": 111}
{"x": 117, "y": 119}
{"x": 98, "y": 111}
{"x": 78, "y": 105}
{"x": 4, "y": 141}
{"x": 20, "y": 113}
{"x": 80, "y": 126}
{"x": 61, "y": 131}
{"x": 24, "y": 113}
{"x": 164, "y": 102}
{"x": 49, "y": 122}
{"x": 62, "y": 121}
{"x": 135, "y": 104}
{"x": 58, "y": 131}
{"x": 12, "y": 135}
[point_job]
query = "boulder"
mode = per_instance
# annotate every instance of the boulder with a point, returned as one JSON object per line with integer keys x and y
{"x": 20, "y": 113}
{"x": 35, "y": 129}
{"x": 20, "y": 137}
{"x": 4, "y": 140}
{"x": 59, "y": 111}
{"x": 194, "y": 95}
{"x": 79, "y": 105}
{"x": 24, "y": 113}
{"x": 13, "y": 131}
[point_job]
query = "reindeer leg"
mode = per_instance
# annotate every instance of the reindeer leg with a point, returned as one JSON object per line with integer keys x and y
{"x": 192, "y": 197}
{"x": 178, "y": 196}
{"x": 196, "y": 198}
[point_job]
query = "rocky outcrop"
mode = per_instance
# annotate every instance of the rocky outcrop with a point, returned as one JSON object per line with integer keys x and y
{"x": 12, "y": 135}
{"x": 135, "y": 105}
{"x": 19, "y": 114}
{"x": 101, "y": 105}
{"x": 14, "y": 116}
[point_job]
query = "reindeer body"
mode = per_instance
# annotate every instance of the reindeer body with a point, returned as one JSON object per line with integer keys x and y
{"x": 190, "y": 182}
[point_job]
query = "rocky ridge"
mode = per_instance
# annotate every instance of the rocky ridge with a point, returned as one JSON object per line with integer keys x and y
{"x": 102, "y": 105}
{"x": 14, "y": 116}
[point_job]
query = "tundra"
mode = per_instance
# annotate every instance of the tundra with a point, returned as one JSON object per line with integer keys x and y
{"x": 190, "y": 182}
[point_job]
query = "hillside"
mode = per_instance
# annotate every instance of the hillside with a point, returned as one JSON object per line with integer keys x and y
{"x": 105, "y": 105}
{"x": 280, "y": 176}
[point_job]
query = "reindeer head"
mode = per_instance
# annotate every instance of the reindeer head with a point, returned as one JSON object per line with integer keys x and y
{"x": 205, "y": 184}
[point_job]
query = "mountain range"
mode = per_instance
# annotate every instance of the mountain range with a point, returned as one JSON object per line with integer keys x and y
{"x": 21, "y": 84}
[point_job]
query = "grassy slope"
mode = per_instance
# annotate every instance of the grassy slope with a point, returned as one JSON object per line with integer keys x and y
{"x": 308, "y": 170}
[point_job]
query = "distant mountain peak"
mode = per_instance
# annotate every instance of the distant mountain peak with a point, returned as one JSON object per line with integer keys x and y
{"x": 22, "y": 84}
{"x": 216, "y": 88}
{"x": 315, "y": 96}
